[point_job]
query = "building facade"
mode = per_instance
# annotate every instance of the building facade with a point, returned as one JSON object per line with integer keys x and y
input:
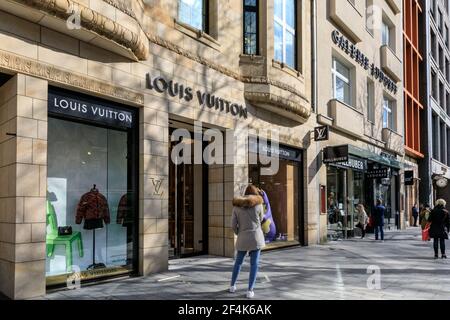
{"x": 436, "y": 94}
{"x": 99, "y": 101}
{"x": 414, "y": 111}
{"x": 360, "y": 98}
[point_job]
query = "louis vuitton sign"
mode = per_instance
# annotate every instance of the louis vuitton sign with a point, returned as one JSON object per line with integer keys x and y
{"x": 188, "y": 94}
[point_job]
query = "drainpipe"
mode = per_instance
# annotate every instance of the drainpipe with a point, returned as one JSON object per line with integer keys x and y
{"x": 314, "y": 91}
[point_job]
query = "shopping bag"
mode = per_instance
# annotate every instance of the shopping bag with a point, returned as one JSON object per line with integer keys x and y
{"x": 426, "y": 232}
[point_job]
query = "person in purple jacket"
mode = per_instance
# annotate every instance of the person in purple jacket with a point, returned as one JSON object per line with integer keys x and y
{"x": 272, "y": 232}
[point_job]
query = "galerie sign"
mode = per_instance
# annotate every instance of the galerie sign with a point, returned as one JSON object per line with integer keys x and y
{"x": 175, "y": 89}
{"x": 83, "y": 109}
{"x": 350, "y": 49}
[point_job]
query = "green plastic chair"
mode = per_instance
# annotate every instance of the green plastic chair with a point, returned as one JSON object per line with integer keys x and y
{"x": 53, "y": 239}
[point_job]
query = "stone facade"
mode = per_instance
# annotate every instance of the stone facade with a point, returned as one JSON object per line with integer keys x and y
{"x": 109, "y": 57}
{"x": 359, "y": 24}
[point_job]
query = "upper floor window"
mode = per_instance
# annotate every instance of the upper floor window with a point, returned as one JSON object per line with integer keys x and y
{"x": 285, "y": 32}
{"x": 370, "y": 101}
{"x": 251, "y": 43}
{"x": 388, "y": 114}
{"x": 194, "y": 13}
{"x": 341, "y": 82}
{"x": 388, "y": 35}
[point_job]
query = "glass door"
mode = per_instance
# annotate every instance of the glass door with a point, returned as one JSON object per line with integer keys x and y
{"x": 186, "y": 214}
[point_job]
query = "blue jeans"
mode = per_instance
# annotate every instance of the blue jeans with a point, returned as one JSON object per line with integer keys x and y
{"x": 379, "y": 228}
{"x": 254, "y": 262}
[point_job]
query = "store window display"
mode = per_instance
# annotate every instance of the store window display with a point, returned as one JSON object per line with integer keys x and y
{"x": 280, "y": 191}
{"x": 91, "y": 202}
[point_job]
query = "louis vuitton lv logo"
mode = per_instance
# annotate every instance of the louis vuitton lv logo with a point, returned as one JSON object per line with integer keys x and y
{"x": 321, "y": 133}
{"x": 157, "y": 184}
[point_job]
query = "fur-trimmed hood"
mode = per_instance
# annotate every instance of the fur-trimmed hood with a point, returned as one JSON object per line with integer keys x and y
{"x": 249, "y": 201}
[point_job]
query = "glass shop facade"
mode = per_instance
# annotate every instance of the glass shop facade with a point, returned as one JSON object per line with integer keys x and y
{"x": 92, "y": 194}
{"x": 356, "y": 176}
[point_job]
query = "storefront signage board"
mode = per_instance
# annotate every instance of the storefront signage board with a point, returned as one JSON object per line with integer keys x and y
{"x": 353, "y": 163}
{"x": 335, "y": 154}
{"x": 409, "y": 178}
{"x": 266, "y": 149}
{"x": 80, "y": 108}
{"x": 378, "y": 173}
{"x": 321, "y": 133}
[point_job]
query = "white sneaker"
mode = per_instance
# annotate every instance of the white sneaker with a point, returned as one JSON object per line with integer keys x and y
{"x": 232, "y": 289}
{"x": 250, "y": 294}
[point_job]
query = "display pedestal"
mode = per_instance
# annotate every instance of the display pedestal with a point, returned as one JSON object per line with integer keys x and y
{"x": 94, "y": 265}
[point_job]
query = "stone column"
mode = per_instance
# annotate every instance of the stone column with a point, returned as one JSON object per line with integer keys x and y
{"x": 23, "y": 185}
{"x": 154, "y": 187}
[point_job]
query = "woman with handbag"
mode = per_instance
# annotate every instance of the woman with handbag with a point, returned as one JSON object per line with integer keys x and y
{"x": 363, "y": 219}
{"x": 248, "y": 213}
{"x": 440, "y": 224}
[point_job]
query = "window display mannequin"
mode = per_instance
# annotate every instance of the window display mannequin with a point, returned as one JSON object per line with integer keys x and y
{"x": 269, "y": 228}
{"x": 93, "y": 208}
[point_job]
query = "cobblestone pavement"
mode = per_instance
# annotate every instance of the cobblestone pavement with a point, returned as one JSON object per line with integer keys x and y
{"x": 335, "y": 271}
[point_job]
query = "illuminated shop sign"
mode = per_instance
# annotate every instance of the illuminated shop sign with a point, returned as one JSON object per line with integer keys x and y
{"x": 351, "y": 50}
{"x": 204, "y": 99}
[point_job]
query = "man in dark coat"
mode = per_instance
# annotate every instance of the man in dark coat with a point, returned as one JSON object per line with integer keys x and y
{"x": 415, "y": 214}
{"x": 378, "y": 219}
{"x": 440, "y": 225}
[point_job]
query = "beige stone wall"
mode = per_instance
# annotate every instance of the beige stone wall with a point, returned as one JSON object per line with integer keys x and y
{"x": 23, "y": 181}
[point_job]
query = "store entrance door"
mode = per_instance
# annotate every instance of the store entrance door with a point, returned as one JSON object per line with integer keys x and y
{"x": 187, "y": 207}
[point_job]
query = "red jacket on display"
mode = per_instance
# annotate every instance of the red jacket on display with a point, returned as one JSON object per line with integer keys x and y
{"x": 93, "y": 205}
{"x": 124, "y": 214}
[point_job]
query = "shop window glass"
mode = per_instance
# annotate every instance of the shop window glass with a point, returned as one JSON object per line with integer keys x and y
{"x": 282, "y": 191}
{"x": 193, "y": 13}
{"x": 251, "y": 27}
{"x": 285, "y": 31}
{"x": 89, "y": 188}
{"x": 341, "y": 82}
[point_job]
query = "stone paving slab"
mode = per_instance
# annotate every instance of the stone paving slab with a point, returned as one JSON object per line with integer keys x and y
{"x": 335, "y": 271}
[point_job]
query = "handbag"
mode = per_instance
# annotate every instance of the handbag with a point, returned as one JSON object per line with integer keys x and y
{"x": 266, "y": 226}
{"x": 426, "y": 232}
{"x": 65, "y": 231}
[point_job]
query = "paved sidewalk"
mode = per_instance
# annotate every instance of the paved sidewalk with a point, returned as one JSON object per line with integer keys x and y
{"x": 334, "y": 271}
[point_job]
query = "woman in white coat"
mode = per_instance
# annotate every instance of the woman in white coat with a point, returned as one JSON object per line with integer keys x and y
{"x": 363, "y": 219}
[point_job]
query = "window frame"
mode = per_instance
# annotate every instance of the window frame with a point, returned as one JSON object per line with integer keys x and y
{"x": 370, "y": 101}
{"x": 389, "y": 110}
{"x": 286, "y": 28}
{"x": 204, "y": 15}
{"x": 336, "y": 74}
{"x": 254, "y": 9}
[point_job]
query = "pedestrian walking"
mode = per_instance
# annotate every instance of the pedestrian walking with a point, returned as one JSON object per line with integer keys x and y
{"x": 415, "y": 214}
{"x": 247, "y": 216}
{"x": 363, "y": 219}
{"x": 440, "y": 225}
{"x": 378, "y": 219}
{"x": 424, "y": 215}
